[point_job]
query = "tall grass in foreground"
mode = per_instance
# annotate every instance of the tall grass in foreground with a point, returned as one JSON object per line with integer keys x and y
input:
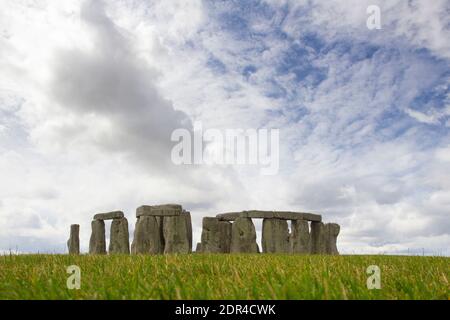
{"x": 201, "y": 276}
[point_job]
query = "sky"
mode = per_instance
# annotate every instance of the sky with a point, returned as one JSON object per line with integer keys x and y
{"x": 91, "y": 91}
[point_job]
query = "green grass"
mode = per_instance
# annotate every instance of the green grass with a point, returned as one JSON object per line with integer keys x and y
{"x": 199, "y": 276}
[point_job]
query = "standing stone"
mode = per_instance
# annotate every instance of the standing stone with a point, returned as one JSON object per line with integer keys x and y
{"x": 243, "y": 236}
{"x": 318, "y": 242}
{"x": 73, "y": 244}
{"x": 331, "y": 233}
{"x": 189, "y": 228}
{"x": 97, "y": 243}
{"x": 299, "y": 239}
{"x": 159, "y": 221}
{"x": 275, "y": 236}
{"x": 147, "y": 236}
{"x": 198, "y": 248}
{"x": 175, "y": 230}
{"x": 119, "y": 242}
{"x": 216, "y": 236}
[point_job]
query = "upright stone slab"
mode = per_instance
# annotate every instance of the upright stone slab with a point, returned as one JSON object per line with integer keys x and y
{"x": 189, "y": 228}
{"x": 216, "y": 235}
{"x": 133, "y": 247}
{"x": 275, "y": 236}
{"x": 73, "y": 244}
{"x": 160, "y": 221}
{"x": 97, "y": 243}
{"x": 147, "y": 236}
{"x": 299, "y": 239}
{"x": 243, "y": 236}
{"x": 175, "y": 230}
{"x": 331, "y": 233}
{"x": 198, "y": 248}
{"x": 318, "y": 242}
{"x": 119, "y": 242}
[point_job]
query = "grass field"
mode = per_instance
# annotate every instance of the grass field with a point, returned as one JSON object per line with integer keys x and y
{"x": 200, "y": 276}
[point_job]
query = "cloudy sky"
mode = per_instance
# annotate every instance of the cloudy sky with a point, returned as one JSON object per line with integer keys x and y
{"x": 91, "y": 91}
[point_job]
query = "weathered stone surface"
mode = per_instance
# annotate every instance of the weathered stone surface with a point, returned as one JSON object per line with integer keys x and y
{"x": 231, "y": 216}
{"x": 331, "y": 231}
{"x": 188, "y": 227}
{"x": 147, "y": 236}
{"x": 198, "y": 248}
{"x": 119, "y": 242}
{"x": 73, "y": 244}
{"x": 97, "y": 243}
{"x": 275, "y": 236}
{"x": 170, "y": 206}
{"x": 299, "y": 239}
{"x": 318, "y": 241}
{"x": 216, "y": 235}
{"x": 175, "y": 230}
{"x": 258, "y": 214}
{"x": 160, "y": 210}
{"x": 160, "y": 221}
{"x": 109, "y": 215}
{"x": 133, "y": 247}
{"x": 288, "y": 215}
{"x": 243, "y": 236}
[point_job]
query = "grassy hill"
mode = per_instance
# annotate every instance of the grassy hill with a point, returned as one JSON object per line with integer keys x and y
{"x": 201, "y": 276}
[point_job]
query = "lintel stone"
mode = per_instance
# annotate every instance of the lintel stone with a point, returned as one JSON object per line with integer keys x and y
{"x": 167, "y": 210}
{"x": 109, "y": 215}
{"x": 258, "y": 214}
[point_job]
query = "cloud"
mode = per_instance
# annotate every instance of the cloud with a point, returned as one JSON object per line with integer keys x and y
{"x": 90, "y": 92}
{"x": 112, "y": 93}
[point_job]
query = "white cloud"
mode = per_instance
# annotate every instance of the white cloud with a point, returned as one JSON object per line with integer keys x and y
{"x": 88, "y": 95}
{"x": 421, "y": 117}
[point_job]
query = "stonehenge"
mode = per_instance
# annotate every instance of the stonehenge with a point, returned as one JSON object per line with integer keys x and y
{"x": 167, "y": 229}
{"x": 147, "y": 236}
{"x": 216, "y": 236}
{"x": 97, "y": 243}
{"x": 73, "y": 244}
{"x": 119, "y": 242}
{"x": 175, "y": 231}
{"x": 162, "y": 229}
{"x": 275, "y": 236}
{"x": 243, "y": 236}
{"x": 331, "y": 232}
{"x": 324, "y": 237}
{"x": 159, "y": 211}
{"x": 299, "y": 238}
{"x": 257, "y": 214}
{"x": 119, "y": 239}
{"x": 109, "y": 215}
{"x": 317, "y": 238}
